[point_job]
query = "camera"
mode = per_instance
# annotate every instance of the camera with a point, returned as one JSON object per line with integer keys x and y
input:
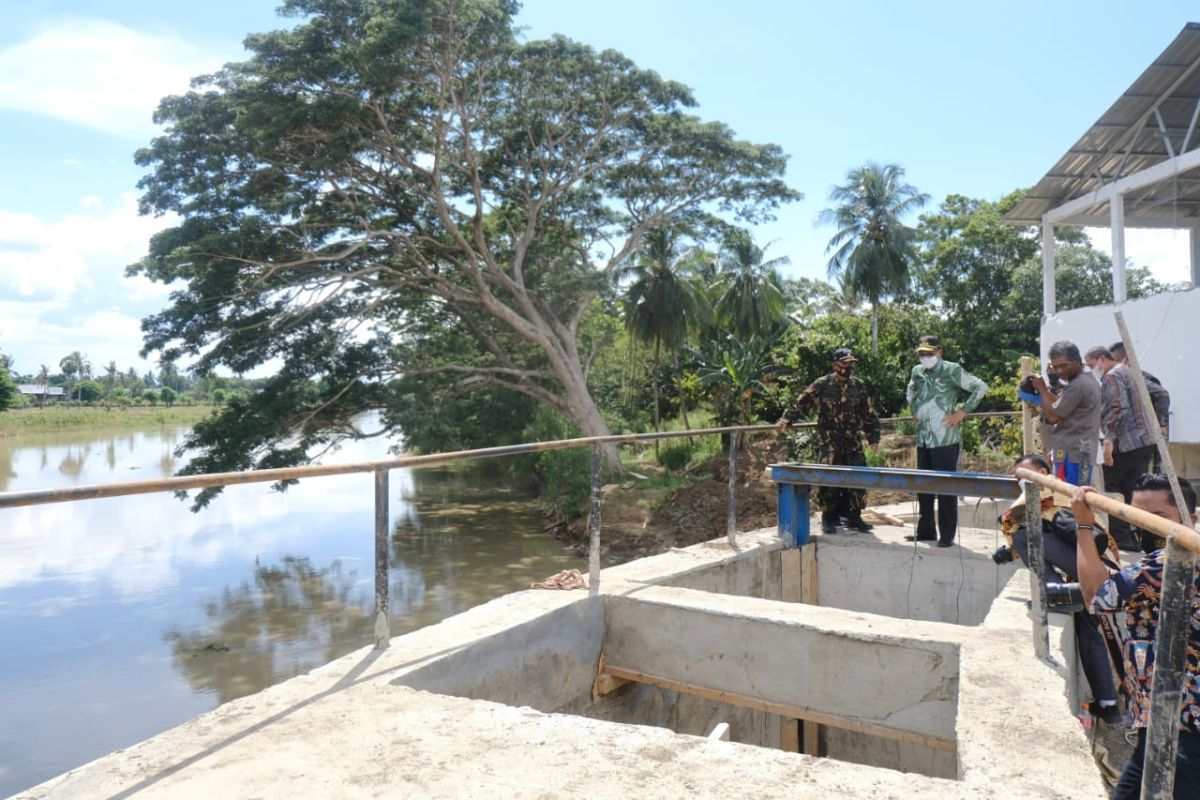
{"x": 1003, "y": 554}
{"x": 1061, "y": 596}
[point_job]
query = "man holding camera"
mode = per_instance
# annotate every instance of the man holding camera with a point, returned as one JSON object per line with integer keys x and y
{"x": 1075, "y": 414}
{"x": 1137, "y": 591}
{"x": 1059, "y": 574}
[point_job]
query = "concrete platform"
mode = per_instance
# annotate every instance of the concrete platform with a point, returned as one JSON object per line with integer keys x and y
{"x": 514, "y": 675}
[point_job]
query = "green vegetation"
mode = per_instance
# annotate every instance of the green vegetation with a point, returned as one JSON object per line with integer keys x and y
{"x": 491, "y": 240}
{"x": 65, "y": 419}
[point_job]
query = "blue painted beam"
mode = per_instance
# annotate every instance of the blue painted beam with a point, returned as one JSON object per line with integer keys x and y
{"x": 973, "y": 484}
{"x": 793, "y": 513}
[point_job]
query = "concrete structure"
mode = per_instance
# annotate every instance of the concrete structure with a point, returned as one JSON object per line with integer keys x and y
{"x": 531, "y": 695}
{"x": 1137, "y": 166}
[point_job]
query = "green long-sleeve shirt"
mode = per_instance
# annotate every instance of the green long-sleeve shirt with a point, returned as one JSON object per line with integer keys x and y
{"x": 934, "y": 394}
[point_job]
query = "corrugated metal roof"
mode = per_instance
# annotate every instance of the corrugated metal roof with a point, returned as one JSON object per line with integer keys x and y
{"x": 1127, "y": 139}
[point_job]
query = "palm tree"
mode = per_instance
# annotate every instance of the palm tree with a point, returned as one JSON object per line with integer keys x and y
{"x": 872, "y": 248}
{"x": 751, "y": 301}
{"x": 661, "y": 303}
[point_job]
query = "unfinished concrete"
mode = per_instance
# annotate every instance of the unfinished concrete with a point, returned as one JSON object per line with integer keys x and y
{"x": 358, "y": 727}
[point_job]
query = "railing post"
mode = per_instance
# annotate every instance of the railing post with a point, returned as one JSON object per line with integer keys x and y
{"x": 1037, "y": 565}
{"x": 731, "y": 513}
{"x": 793, "y": 513}
{"x": 594, "y": 523}
{"x": 382, "y": 587}
{"x": 1170, "y": 666}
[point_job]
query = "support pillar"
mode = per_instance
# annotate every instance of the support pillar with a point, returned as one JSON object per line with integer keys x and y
{"x": 1049, "y": 303}
{"x": 1117, "y": 215}
{"x": 1194, "y": 252}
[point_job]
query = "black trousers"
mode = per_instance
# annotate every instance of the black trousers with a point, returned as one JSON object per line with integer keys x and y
{"x": 839, "y": 501}
{"x": 943, "y": 458}
{"x": 1120, "y": 477}
{"x": 1187, "y": 769}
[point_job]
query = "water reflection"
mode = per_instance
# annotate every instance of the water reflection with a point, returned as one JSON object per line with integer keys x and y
{"x": 125, "y": 616}
{"x": 290, "y": 618}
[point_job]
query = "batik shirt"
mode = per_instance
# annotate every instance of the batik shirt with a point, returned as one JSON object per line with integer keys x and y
{"x": 934, "y": 394}
{"x": 1136, "y": 590}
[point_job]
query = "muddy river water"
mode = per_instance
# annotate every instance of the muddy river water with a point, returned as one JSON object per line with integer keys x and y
{"x": 122, "y": 617}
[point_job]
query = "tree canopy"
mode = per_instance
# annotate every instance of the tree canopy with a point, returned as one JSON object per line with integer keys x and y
{"x": 388, "y": 164}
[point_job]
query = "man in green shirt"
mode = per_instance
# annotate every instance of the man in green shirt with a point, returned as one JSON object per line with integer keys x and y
{"x": 940, "y": 394}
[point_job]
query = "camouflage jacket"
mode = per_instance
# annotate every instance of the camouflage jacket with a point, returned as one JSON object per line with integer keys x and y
{"x": 844, "y": 413}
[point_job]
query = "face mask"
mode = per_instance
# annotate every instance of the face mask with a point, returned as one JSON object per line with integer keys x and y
{"x": 928, "y": 362}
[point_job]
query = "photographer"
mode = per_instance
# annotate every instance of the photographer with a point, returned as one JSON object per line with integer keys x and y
{"x": 1136, "y": 590}
{"x": 1059, "y": 574}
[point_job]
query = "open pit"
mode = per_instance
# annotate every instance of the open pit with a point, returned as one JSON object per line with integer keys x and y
{"x": 857, "y": 666}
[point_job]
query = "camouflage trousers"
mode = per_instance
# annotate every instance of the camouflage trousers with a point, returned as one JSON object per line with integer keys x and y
{"x": 834, "y": 500}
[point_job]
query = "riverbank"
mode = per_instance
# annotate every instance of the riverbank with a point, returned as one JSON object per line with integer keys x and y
{"x": 68, "y": 419}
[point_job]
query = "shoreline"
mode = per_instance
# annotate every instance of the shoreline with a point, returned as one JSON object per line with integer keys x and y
{"x": 74, "y": 419}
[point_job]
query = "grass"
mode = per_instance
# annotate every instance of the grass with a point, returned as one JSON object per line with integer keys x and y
{"x": 65, "y": 419}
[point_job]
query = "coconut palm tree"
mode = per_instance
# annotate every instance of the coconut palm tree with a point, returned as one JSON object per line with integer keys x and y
{"x": 661, "y": 303}
{"x": 873, "y": 248}
{"x": 750, "y": 299}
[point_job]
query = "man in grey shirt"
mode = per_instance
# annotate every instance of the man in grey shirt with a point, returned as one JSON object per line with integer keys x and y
{"x": 1075, "y": 414}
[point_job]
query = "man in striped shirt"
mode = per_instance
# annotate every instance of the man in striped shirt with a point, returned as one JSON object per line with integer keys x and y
{"x": 1128, "y": 442}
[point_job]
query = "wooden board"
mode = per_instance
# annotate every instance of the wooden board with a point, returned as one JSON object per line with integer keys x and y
{"x": 797, "y": 712}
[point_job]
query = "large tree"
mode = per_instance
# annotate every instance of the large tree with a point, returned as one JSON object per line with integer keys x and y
{"x": 391, "y": 159}
{"x": 872, "y": 251}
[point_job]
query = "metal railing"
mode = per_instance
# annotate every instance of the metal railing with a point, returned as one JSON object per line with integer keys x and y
{"x": 380, "y": 470}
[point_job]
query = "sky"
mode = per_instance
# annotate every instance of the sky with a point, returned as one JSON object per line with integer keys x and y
{"x": 973, "y": 99}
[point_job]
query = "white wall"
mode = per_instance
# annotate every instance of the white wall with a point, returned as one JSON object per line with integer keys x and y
{"x": 1166, "y": 333}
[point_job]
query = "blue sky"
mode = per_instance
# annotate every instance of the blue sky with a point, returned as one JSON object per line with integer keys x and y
{"x": 970, "y": 98}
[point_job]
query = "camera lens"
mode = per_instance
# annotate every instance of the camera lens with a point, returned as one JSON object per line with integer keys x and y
{"x": 1062, "y": 595}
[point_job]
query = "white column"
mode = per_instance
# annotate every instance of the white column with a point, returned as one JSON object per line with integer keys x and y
{"x": 1195, "y": 255}
{"x": 1117, "y": 213}
{"x": 1049, "y": 301}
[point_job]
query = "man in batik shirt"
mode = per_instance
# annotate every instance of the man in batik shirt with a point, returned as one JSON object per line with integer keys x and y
{"x": 1136, "y": 590}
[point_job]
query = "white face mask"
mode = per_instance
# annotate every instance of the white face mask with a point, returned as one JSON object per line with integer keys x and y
{"x": 928, "y": 362}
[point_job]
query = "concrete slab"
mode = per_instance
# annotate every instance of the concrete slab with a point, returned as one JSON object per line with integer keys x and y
{"x": 352, "y": 729}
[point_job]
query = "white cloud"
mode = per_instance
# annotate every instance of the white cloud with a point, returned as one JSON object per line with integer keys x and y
{"x": 57, "y": 258}
{"x": 63, "y": 285}
{"x": 98, "y": 74}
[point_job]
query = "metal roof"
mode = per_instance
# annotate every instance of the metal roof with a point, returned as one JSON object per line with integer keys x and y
{"x": 1155, "y": 119}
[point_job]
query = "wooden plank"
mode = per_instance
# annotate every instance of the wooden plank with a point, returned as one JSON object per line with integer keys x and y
{"x": 720, "y": 733}
{"x": 808, "y": 574}
{"x": 605, "y": 682}
{"x": 812, "y": 738}
{"x": 1027, "y": 410}
{"x": 798, "y": 712}
{"x": 790, "y": 565}
{"x": 789, "y": 735}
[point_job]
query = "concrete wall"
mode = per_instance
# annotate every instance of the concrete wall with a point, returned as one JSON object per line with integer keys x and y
{"x": 801, "y": 656}
{"x": 757, "y": 575}
{"x": 1163, "y": 328}
{"x": 547, "y": 663}
{"x": 954, "y": 585}
{"x": 860, "y": 748}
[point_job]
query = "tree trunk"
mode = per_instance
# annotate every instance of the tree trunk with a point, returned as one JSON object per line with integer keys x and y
{"x": 682, "y": 395}
{"x": 654, "y": 388}
{"x": 583, "y": 411}
{"x": 875, "y": 329}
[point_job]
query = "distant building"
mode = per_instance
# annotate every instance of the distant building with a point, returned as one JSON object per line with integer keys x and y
{"x": 40, "y": 393}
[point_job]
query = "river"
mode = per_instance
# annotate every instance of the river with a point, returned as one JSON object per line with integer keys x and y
{"x": 123, "y": 617}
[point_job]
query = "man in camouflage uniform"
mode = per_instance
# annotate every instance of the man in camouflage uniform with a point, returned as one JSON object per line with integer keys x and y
{"x": 844, "y": 416}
